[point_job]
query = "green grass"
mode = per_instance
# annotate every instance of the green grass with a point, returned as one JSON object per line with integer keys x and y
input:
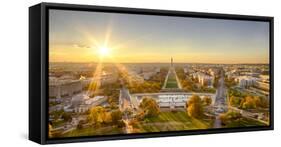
{"x": 171, "y": 85}
{"x": 58, "y": 123}
{"x": 245, "y": 122}
{"x": 172, "y": 121}
{"x": 165, "y": 121}
{"x": 172, "y": 82}
{"x": 91, "y": 131}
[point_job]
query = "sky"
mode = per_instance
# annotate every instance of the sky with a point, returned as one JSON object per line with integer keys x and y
{"x": 82, "y": 36}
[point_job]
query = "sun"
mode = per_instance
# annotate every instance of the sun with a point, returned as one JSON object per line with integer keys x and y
{"x": 104, "y": 51}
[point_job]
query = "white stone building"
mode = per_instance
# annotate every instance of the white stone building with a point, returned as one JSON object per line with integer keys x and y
{"x": 245, "y": 81}
{"x": 60, "y": 88}
{"x": 203, "y": 79}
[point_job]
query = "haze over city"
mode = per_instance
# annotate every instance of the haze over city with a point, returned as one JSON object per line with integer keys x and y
{"x": 128, "y": 38}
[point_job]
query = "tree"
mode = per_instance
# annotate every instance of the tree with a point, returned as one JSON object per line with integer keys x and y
{"x": 236, "y": 93}
{"x": 116, "y": 116}
{"x": 121, "y": 124}
{"x": 234, "y": 101}
{"x": 80, "y": 125}
{"x": 112, "y": 102}
{"x": 97, "y": 115}
{"x": 66, "y": 116}
{"x": 230, "y": 82}
{"x": 57, "y": 114}
{"x": 107, "y": 118}
{"x": 261, "y": 102}
{"x": 229, "y": 117}
{"x": 134, "y": 122}
{"x": 140, "y": 116}
{"x": 249, "y": 103}
{"x": 194, "y": 107}
{"x": 150, "y": 107}
{"x": 207, "y": 101}
{"x": 216, "y": 81}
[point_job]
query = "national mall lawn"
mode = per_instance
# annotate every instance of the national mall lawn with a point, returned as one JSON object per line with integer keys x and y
{"x": 165, "y": 121}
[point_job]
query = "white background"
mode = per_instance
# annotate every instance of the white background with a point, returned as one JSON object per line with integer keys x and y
{"x": 14, "y": 72}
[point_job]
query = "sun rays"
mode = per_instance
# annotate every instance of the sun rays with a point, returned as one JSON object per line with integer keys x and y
{"x": 104, "y": 51}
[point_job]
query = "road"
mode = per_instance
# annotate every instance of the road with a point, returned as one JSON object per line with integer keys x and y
{"x": 220, "y": 101}
{"x": 126, "y": 104}
{"x": 220, "y": 94}
{"x": 125, "y": 100}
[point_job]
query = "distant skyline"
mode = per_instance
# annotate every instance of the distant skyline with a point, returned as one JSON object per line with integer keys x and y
{"x": 78, "y": 36}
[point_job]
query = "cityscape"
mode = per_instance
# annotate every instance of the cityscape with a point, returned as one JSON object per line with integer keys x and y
{"x": 104, "y": 79}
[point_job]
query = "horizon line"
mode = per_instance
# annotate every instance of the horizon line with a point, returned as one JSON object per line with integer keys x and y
{"x": 151, "y": 62}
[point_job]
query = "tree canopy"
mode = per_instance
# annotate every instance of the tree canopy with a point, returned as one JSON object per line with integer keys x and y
{"x": 97, "y": 115}
{"x": 150, "y": 107}
{"x": 195, "y": 107}
{"x": 116, "y": 116}
{"x": 229, "y": 117}
{"x": 207, "y": 100}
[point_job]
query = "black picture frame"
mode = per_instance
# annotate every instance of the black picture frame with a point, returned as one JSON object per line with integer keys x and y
{"x": 38, "y": 70}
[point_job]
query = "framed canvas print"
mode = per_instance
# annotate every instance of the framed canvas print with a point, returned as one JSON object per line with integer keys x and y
{"x": 102, "y": 73}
